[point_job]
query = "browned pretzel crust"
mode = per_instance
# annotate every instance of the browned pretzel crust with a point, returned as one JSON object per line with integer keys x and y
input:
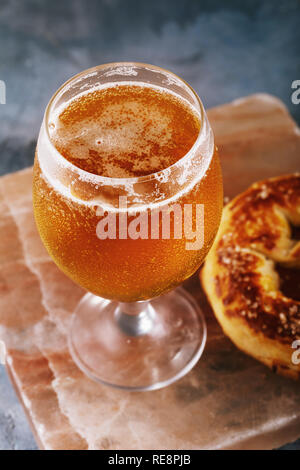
{"x": 240, "y": 274}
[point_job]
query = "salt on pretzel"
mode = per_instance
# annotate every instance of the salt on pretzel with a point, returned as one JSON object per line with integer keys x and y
{"x": 255, "y": 242}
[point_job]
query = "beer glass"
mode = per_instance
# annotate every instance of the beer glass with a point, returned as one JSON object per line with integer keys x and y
{"x": 134, "y": 329}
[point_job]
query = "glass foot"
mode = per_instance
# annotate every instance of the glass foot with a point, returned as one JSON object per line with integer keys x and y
{"x": 137, "y": 346}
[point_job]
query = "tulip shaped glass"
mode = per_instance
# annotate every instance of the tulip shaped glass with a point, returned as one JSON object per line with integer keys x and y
{"x": 127, "y": 198}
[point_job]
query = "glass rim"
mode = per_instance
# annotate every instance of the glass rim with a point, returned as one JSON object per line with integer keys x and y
{"x": 113, "y": 181}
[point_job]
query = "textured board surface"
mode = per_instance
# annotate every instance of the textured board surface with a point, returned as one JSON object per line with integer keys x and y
{"x": 227, "y": 401}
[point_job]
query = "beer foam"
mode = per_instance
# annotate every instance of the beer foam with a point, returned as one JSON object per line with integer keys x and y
{"x": 125, "y": 131}
{"x": 142, "y": 136}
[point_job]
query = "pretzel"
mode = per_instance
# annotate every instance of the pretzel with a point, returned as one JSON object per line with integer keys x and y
{"x": 243, "y": 273}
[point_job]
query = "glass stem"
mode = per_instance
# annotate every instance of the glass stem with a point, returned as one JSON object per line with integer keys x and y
{"x": 135, "y": 318}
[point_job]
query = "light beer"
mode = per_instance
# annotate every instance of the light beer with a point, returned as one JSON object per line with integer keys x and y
{"x": 136, "y": 133}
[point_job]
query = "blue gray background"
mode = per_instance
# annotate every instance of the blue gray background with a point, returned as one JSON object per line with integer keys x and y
{"x": 224, "y": 49}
